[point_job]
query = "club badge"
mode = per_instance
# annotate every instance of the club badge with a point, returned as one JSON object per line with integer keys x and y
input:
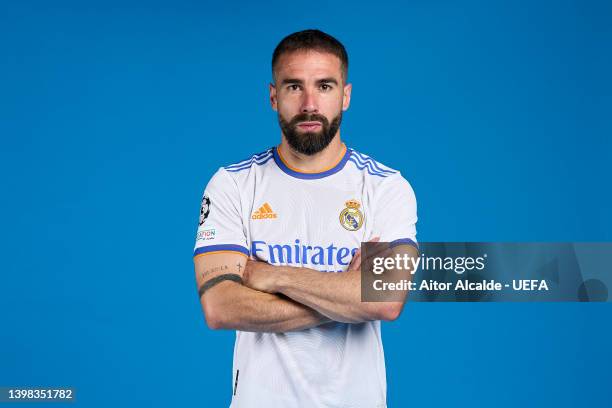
{"x": 351, "y": 217}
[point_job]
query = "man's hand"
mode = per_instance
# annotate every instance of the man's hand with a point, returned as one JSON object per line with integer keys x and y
{"x": 259, "y": 275}
{"x": 355, "y": 264}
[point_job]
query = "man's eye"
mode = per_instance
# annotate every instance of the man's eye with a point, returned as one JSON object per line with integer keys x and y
{"x": 325, "y": 87}
{"x": 293, "y": 87}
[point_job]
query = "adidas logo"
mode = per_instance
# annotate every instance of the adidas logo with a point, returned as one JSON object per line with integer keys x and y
{"x": 265, "y": 211}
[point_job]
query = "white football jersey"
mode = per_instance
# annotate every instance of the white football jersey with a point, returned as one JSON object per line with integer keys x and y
{"x": 263, "y": 208}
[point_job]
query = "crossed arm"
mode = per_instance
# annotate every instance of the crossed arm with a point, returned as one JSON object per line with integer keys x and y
{"x": 232, "y": 305}
{"x": 282, "y": 298}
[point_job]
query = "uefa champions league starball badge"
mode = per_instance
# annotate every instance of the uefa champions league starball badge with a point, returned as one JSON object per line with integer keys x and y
{"x": 204, "y": 209}
{"x": 351, "y": 217}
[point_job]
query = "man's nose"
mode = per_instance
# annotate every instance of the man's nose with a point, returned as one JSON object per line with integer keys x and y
{"x": 309, "y": 103}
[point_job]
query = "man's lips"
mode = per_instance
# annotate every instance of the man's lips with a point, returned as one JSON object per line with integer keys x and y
{"x": 309, "y": 125}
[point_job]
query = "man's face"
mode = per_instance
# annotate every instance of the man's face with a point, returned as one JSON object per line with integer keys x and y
{"x": 309, "y": 95}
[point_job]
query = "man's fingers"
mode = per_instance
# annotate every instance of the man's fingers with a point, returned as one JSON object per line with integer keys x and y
{"x": 356, "y": 256}
{"x": 356, "y": 261}
{"x": 374, "y": 250}
{"x": 248, "y": 267}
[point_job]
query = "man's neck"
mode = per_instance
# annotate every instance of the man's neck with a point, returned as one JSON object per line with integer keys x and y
{"x": 317, "y": 163}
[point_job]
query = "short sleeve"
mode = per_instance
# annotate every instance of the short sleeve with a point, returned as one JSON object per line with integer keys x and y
{"x": 396, "y": 212}
{"x": 220, "y": 226}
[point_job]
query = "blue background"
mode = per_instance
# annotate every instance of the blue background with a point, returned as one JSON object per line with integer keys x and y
{"x": 114, "y": 115}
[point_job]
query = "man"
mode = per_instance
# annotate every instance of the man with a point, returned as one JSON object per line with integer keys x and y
{"x": 275, "y": 227}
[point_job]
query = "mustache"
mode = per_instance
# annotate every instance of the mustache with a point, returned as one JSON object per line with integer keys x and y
{"x": 308, "y": 117}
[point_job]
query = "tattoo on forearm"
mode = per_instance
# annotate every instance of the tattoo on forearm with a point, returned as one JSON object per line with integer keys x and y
{"x": 218, "y": 279}
{"x": 213, "y": 270}
{"x": 221, "y": 268}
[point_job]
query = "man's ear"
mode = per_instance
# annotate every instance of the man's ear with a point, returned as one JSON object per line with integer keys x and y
{"x": 273, "y": 100}
{"x": 346, "y": 96}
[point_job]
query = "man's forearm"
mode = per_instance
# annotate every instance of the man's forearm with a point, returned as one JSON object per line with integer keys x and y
{"x": 233, "y": 306}
{"x": 335, "y": 295}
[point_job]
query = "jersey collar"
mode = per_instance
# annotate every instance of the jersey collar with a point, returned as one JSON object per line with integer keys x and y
{"x": 282, "y": 164}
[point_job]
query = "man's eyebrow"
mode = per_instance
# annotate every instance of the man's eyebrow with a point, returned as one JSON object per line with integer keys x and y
{"x": 327, "y": 81}
{"x": 292, "y": 81}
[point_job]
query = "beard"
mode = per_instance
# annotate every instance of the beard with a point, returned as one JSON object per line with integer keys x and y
{"x": 309, "y": 143}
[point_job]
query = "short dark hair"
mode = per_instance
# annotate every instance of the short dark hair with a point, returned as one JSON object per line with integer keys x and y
{"x": 315, "y": 40}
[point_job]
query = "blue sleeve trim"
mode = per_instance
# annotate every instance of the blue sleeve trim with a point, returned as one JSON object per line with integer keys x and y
{"x": 221, "y": 247}
{"x": 403, "y": 241}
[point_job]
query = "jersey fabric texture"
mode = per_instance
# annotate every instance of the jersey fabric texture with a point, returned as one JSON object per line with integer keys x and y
{"x": 263, "y": 208}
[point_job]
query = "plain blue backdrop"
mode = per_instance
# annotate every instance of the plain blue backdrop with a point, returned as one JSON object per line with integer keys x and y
{"x": 114, "y": 115}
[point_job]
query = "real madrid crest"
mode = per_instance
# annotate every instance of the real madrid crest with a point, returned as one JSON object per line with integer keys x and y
{"x": 351, "y": 217}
